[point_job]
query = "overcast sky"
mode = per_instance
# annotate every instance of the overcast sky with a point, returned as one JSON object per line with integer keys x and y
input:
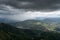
{"x": 29, "y": 9}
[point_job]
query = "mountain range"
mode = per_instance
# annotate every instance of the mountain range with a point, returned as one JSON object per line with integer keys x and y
{"x": 50, "y": 24}
{"x": 47, "y": 20}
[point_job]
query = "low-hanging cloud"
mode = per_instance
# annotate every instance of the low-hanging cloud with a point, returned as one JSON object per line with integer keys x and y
{"x": 21, "y": 14}
{"x": 20, "y": 10}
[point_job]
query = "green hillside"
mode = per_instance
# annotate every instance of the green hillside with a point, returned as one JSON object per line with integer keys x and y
{"x": 38, "y": 25}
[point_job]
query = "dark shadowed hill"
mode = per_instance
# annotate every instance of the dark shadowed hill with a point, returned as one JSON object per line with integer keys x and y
{"x": 8, "y": 32}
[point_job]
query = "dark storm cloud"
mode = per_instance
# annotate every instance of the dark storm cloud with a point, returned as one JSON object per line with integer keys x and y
{"x": 33, "y": 4}
{"x": 8, "y": 10}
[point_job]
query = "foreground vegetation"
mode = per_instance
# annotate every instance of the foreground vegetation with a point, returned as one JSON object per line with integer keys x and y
{"x": 8, "y": 32}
